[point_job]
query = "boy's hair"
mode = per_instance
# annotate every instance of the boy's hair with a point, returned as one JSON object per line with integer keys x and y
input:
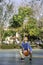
{"x": 26, "y": 36}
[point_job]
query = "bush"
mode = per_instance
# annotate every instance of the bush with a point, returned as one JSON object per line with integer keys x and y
{"x": 8, "y": 33}
{"x": 10, "y": 46}
{"x": 41, "y": 45}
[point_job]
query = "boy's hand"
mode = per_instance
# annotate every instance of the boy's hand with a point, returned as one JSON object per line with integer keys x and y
{"x": 29, "y": 50}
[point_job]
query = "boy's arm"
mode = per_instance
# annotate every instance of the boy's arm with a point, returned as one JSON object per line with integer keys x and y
{"x": 22, "y": 46}
{"x": 30, "y": 48}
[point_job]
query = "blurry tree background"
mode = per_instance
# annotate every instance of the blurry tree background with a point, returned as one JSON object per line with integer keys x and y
{"x": 26, "y": 18}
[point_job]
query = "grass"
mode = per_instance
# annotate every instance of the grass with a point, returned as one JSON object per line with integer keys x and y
{"x": 9, "y": 46}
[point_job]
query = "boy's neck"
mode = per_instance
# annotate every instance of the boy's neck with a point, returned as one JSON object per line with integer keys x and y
{"x": 25, "y": 41}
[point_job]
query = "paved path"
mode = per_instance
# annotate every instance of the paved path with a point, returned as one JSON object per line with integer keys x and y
{"x": 12, "y": 57}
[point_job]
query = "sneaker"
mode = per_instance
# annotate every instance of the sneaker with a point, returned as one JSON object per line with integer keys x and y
{"x": 22, "y": 58}
{"x": 30, "y": 59}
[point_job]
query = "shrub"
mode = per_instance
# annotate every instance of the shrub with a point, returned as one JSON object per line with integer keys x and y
{"x": 10, "y": 46}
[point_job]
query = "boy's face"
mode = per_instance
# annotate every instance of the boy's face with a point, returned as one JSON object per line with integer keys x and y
{"x": 25, "y": 39}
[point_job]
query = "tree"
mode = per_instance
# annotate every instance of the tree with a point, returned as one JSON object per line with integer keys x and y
{"x": 41, "y": 22}
{"x": 1, "y": 22}
{"x": 9, "y": 8}
{"x": 18, "y": 19}
{"x": 25, "y": 11}
{"x": 32, "y": 27}
{"x": 37, "y": 6}
{"x": 15, "y": 21}
{"x": 5, "y": 12}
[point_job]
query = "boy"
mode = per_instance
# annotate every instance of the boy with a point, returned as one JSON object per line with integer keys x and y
{"x": 25, "y": 46}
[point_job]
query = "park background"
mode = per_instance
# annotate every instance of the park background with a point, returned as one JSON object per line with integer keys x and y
{"x": 22, "y": 17}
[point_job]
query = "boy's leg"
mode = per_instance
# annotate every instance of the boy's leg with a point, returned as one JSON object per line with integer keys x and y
{"x": 30, "y": 53}
{"x": 22, "y": 55}
{"x": 30, "y": 56}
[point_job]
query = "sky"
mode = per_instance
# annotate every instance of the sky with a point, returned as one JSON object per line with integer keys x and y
{"x": 17, "y": 2}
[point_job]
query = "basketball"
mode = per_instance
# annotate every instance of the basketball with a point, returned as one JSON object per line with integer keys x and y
{"x": 26, "y": 53}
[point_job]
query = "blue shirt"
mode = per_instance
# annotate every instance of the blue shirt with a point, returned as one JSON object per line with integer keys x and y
{"x": 26, "y": 46}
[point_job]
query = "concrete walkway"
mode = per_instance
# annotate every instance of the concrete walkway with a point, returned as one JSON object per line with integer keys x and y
{"x": 12, "y": 57}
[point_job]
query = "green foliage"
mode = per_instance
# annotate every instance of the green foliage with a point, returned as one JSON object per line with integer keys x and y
{"x": 32, "y": 28}
{"x": 8, "y": 33}
{"x": 25, "y": 11}
{"x": 34, "y": 31}
{"x": 10, "y": 46}
{"x": 18, "y": 19}
{"x": 41, "y": 45}
{"x": 41, "y": 33}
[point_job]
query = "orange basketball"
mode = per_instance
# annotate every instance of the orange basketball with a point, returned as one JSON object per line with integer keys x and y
{"x": 26, "y": 53}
